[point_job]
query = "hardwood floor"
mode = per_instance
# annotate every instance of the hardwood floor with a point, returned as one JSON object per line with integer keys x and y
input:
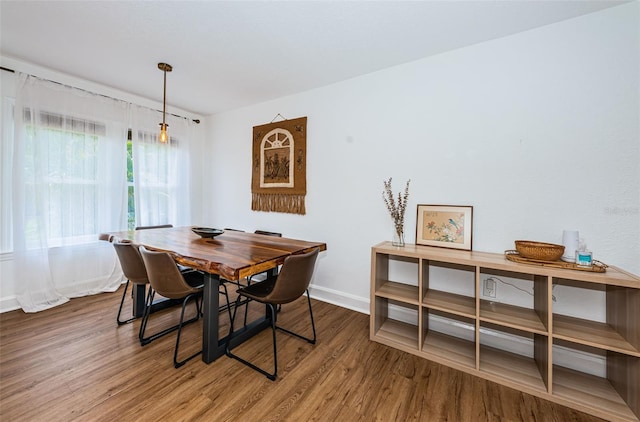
{"x": 73, "y": 363}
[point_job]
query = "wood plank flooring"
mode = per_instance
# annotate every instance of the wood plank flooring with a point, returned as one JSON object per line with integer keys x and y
{"x": 73, "y": 363}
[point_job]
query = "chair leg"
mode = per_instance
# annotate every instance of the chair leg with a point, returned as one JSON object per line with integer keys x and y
{"x": 247, "y": 301}
{"x": 246, "y": 309}
{"x": 145, "y": 318}
{"x": 273, "y": 309}
{"x": 226, "y": 295}
{"x": 232, "y": 318}
{"x": 176, "y": 363}
{"x": 271, "y": 375}
{"x": 313, "y": 325}
{"x": 124, "y": 295}
{"x": 223, "y": 290}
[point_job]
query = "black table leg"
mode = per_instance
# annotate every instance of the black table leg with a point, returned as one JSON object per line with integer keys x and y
{"x": 210, "y": 343}
{"x": 139, "y": 292}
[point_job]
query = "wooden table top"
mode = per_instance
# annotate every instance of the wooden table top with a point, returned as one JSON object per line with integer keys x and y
{"x": 232, "y": 255}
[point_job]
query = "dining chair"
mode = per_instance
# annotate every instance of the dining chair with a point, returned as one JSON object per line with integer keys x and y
{"x": 292, "y": 282}
{"x": 268, "y": 233}
{"x": 160, "y": 226}
{"x": 261, "y": 276}
{"x": 135, "y": 271}
{"x": 164, "y": 226}
{"x": 105, "y": 236}
{"x": 167, "y": 280}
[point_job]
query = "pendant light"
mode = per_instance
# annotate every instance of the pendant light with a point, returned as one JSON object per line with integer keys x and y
{"x": 164, "y": 136}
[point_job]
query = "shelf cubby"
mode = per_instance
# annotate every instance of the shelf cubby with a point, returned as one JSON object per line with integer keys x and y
{"x": 450, "y": 302}
{"x": 530, "y": 314}
{"x": 512, "y": 316}
{"x": 591, "y": 333}
{"x": 399, "y": 292}
{"x": 399, "y": 332}
{"x": 455, "y": 350}
{"x": 395, "y": 328}
{"x": 615, "y": 394}
{"x": 453, "y": 278}
{"x": 618, "y": 333}
{"x": 522, "y": 358}
{"x": 595, "y": 394}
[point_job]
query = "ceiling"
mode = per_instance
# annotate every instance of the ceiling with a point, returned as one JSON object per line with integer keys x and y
{"x": 230, "y": 54}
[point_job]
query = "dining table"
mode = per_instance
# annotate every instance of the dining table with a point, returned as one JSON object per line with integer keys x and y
{"x": 230, "y": 256}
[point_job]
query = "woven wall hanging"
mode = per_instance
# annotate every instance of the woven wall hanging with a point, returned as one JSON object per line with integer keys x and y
{"x": 279, "y": 175}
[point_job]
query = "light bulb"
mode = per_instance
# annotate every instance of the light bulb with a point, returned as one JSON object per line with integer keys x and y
{"x": 164, "y": 136}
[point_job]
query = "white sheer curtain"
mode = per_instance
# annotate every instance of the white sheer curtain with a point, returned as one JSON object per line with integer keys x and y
{"x": 161, "y": 172}
{"x": 69, "y": 185}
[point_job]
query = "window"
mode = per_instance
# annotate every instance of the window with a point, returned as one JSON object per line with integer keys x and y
{"x": 155, "y": 186}
{"x": 62, "y": 175}
{"x": 155, "y": 179}
{"x": 87, "y": 164}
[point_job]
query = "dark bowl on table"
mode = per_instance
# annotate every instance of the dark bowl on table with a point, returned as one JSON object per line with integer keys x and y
{"x": 206, "y": 232}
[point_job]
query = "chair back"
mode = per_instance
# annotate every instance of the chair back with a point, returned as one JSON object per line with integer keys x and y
{"x": 164, "y": 275}
{"x": 268, "y": 233}
{"x": 161, "y": 226}
{"x": 294, "y": 278}
{"x": 131, "y": 262}
{"x": 105, "y": 236}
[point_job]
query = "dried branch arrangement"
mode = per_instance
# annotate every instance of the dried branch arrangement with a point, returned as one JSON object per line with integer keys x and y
{"x": 396, "y": 207}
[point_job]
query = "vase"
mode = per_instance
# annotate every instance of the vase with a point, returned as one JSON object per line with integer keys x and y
{"x": 398, "y": 236}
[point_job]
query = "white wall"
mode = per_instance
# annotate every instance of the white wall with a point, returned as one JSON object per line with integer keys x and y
{"x": 538, "y": 131}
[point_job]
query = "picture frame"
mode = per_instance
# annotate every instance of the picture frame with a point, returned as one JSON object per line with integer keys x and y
{"x": 445, "y": 226}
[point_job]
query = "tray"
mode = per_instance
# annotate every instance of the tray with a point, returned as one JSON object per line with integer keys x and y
{"x": 596, "y": 267}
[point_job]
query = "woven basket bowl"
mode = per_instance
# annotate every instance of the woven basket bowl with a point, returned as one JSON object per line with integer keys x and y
{"x": 539, "y": 250}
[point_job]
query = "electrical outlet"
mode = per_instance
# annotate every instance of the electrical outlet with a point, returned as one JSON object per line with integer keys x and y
{"x": 489, "y": 288}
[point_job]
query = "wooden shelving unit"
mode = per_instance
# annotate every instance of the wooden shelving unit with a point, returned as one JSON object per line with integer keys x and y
{"x": 615, "y": 397}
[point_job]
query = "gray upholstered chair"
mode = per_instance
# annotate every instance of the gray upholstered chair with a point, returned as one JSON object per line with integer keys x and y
{"x": 292, "y": 282}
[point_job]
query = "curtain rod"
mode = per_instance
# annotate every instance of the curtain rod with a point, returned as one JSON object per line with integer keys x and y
{"x": 197, "y": 121}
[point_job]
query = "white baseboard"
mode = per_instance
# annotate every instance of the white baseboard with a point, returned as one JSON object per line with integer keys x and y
{"x": 9, "y": 304}
{"x": 338, "y": 298}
